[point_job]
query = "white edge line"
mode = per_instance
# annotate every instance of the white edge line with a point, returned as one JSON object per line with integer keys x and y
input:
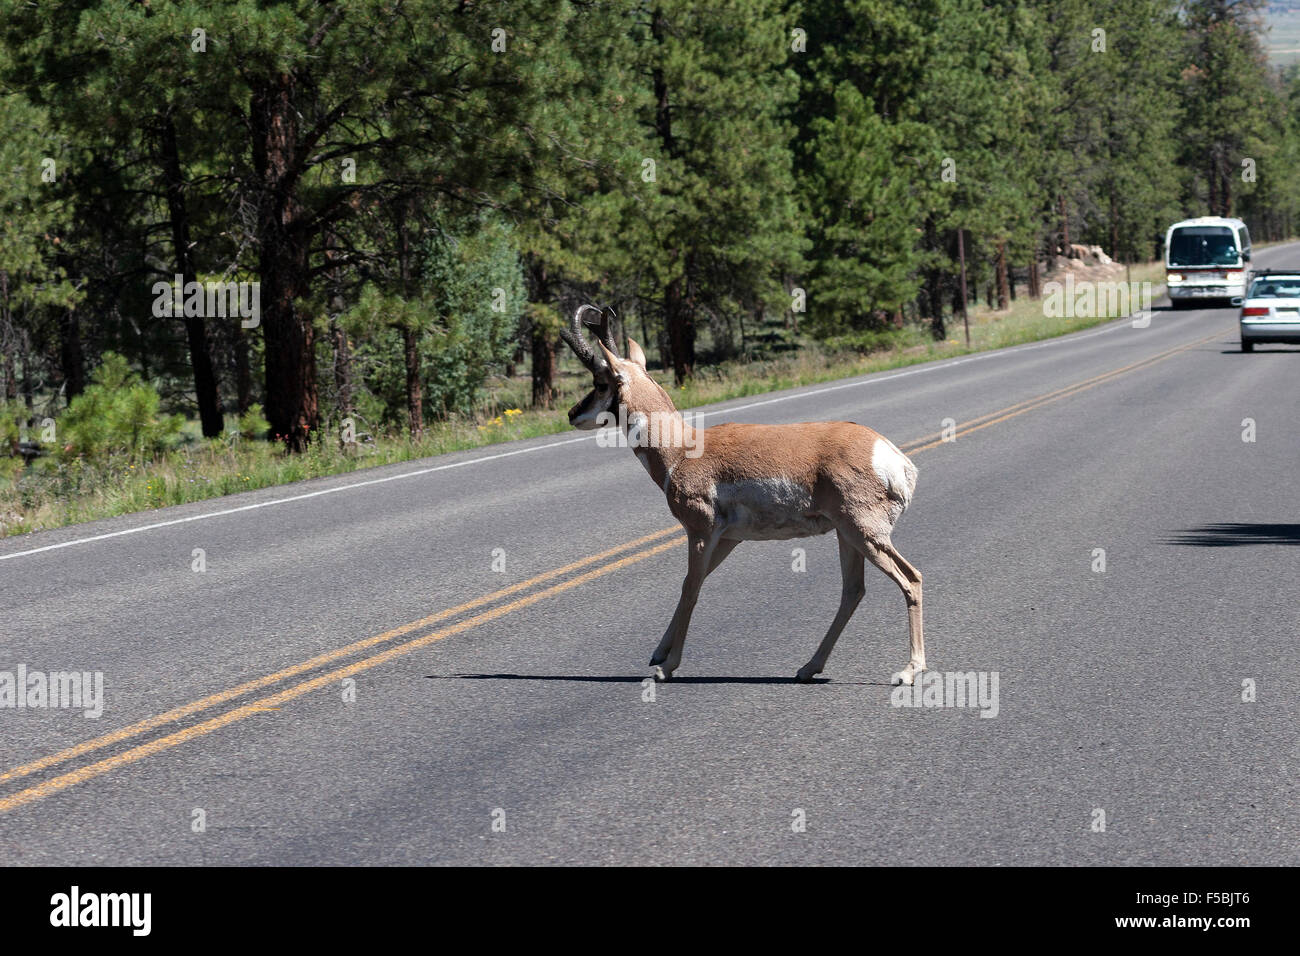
{"x": 281, "y": 501}
{"x": 925, "y": 367}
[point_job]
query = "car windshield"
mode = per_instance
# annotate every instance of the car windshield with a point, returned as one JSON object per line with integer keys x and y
{"x": 1203, "y": 246}
{"x": 1274, "y": 287}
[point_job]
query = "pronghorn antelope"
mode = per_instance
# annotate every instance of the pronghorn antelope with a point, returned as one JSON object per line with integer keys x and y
{"x": 733, "y": 483}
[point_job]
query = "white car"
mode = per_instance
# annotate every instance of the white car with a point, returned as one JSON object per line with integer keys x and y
{"x": 1270, "y": 312}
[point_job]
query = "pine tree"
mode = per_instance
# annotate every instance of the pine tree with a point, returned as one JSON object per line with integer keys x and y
{"x": 716, "y": 222}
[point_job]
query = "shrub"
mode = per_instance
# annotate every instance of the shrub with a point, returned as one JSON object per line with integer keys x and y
{"x": 253, "y": 424}
{"x": 466, "y": 306}
{"x": 117, "y": 415}
{"x": 12, "y": 414}
{"x": 865, "y": 341}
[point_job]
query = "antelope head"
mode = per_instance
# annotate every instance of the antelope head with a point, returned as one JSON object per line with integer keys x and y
{"x": 614, "y": 379}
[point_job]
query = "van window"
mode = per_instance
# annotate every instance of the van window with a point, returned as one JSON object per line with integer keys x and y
{"x": 1203, "y": 246}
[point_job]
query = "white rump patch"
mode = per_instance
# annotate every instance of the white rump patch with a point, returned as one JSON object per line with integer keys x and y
{"x": 894, "y": 469}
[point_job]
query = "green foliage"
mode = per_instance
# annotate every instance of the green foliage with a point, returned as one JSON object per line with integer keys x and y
{"x": 253, "y": 424}
{"x": 710, "y": 203}
{"x": 475, "y": 286}
{"x": 467, "y": 302}
{"x": 12, "y": 415}
{"x": 31, "y": 209}
{"x": 866, "y": 341}
{"x": 689, "y": 164}
{"x": 864, "y": 204}
{"x": 116, "y": 416}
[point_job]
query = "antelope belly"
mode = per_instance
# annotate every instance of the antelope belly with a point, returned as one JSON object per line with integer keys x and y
{"x": 768, "y": 509}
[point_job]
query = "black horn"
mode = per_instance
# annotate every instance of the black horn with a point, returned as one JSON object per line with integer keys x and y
{"x": 604, "y": 327}
{"x": 573, "y": 335}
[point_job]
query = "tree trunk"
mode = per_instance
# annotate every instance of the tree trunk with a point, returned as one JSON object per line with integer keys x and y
{"x": 678, "y": 313}
{"x": 663, "y": 108}
{"x": 1065, "y": 228}
{"x": 71, "y": 360}
{"x": 934, "y": 304}
{"x": 646, "y": 344}
{"x": 11, "y": 374}
{"x": 1114, "y": 224}
{"x": 1004, "y": 293}
{"x": 8, "y": 339}
{"x": 964, "y": 296}
{"x": 9, "y": 342}
{"x": 243, "y": 373}
{"x": 544, "y": 366}
{"x": 410, "y": 336}
{"x": 342, "y": 369}
{"x": 934, "y": 285}
{"x": 542, "y": 340}
{"x": 205, "y": 379}
{"x": 414, "y": 386}
{"x": 292, "y": 403}
{"x": 338, "y": 337}
{"x": 681, "y": 330}
{"x": 29, "y": 381}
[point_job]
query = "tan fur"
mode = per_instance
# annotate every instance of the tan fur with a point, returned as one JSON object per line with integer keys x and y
{"x": 754, "y": 482}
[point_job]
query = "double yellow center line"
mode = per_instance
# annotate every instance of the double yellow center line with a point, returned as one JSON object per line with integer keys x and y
{"x": 606, "y": 562}
{"x": 86, "y": 772}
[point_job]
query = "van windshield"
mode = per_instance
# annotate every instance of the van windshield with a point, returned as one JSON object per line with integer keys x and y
{"x": 1203, "y": 246}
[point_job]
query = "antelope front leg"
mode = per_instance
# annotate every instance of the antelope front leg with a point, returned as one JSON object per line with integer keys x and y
{"x": 669, "y": 652}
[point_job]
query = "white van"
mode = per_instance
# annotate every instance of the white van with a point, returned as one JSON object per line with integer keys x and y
{"x": 1206, "y": 260}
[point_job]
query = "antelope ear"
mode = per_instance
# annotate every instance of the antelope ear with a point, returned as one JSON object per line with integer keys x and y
{"x": 635, "y": 355}
{"x": 611, "y": 359}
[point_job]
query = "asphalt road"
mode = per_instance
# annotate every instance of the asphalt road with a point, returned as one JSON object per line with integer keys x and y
{"x": 517, "y": 729}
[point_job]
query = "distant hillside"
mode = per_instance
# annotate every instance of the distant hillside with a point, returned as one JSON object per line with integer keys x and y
{"x": 1283, "y": 38}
